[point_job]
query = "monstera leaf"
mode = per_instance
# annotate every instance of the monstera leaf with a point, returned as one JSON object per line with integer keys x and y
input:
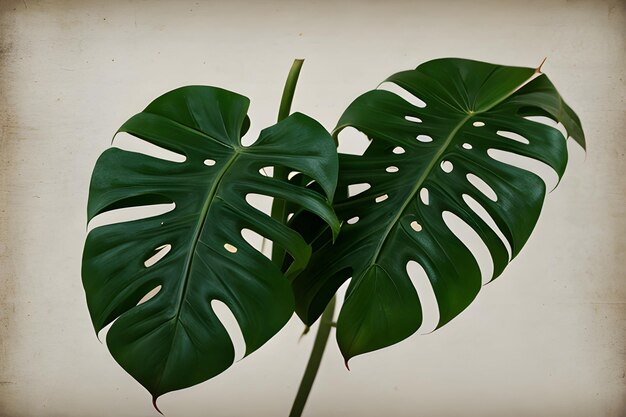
{"x": 447, "y": 148}
{"x": 175, "y": 340}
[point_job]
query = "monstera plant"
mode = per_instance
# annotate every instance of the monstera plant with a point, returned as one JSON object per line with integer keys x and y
{"x": 428, "y": 158}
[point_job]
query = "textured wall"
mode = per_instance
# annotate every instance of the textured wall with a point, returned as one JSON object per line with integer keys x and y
{"x": 546, "y": 339}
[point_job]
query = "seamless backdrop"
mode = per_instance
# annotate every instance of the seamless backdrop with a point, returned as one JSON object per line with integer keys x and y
{"x": 545, "y": 339}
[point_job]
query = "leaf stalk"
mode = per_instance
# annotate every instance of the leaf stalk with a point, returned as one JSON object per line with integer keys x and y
{"x": 278, "y": 258}
{"x": 281, "y": 172}
{"x": 321, "y": 338}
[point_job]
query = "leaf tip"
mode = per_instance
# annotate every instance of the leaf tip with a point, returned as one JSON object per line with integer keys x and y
{"x": 336, "y": 231}
{"x": 304, "y": 332}
{"x": 538, "y": 69}
{"x": 345, "y": 362}
{"x": 98, "y": 331}
{"x": 154, "y": 404}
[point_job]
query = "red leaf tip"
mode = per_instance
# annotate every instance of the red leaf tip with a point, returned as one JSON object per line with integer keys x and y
{"x": 345, "y": 362}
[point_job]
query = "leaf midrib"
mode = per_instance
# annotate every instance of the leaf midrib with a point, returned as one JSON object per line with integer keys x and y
{"x": 417, "y": 186}
{"x": 200, "y": 225}
{"x": 469, "y": 115}
{"x": 194, "y": 243}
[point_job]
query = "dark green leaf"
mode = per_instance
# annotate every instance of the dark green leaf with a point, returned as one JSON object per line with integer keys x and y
{"x": 468, "y": 104}
{"x": 175, "y": 340}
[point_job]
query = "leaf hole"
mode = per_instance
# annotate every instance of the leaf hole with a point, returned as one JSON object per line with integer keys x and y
{"x": 253, "y": 133}
{"x": 403, "y": 93}
{"x": 381, "y": 198}
{"x": 548, "y": 122}
{"x": 150, "y": 294}
{"x": 230, "y": 248}
{"x": 424, "y": 196}
{"x": 447, "y": 166}
{"x": 467, "y": 146}
{"x": 353, "y": 220}
{"x": 542, "y": 120}
{"x": 413, "y": 119}
{"x": 424, "y": 138}
{"x": 289, "y": 216}
{"x": 292, "y": 174}
{"x": 229, "y": 321}
{"x": 267, "y": 171}
{"x": 255, "y": 240}
{"x": 392, "y": 169}
{"x": 482, "y": 186}
{"x": 416, "y": 226}
{"x": 341, "y": 296}
{"x": 352, "y": 142}
{"x": 209, "y": 162}
{"x": 486, "y": 217}
{"x": 129, "y": 214}
{"x": 161, "y": 251}
{"x": 513, "y": 136}
{"x": 261, "y": 202}
{"x": 478, "y": 124}
{"x": 426, "y": 295}
{"x": 398, "y": 150}
{"x": 356, "y": 189}
{"x": 128, "y": 142}
{"x": 541, "y": 169}
{"x": 472, "y": 241}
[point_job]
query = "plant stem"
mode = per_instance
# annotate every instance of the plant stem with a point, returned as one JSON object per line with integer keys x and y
{"x": 290, "y": 89}
{"x": 314, "y": 360}
{"x": 278, "y": 257}
{"x": 280, "y": 172}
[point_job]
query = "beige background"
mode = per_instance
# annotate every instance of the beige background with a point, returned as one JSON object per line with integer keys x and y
{"x": 547, "y": 339}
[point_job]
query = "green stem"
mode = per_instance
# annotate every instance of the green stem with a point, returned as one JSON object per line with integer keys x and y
{"x": 278, "y": 258}
{"x": 280, "y": 172}
{"x": 290, "y": 89}
{"x": 314, "y": 360}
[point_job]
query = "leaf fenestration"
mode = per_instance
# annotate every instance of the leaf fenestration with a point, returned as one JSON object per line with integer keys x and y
{"x": 424, "y": 161}
{"x": 174, "y": 339}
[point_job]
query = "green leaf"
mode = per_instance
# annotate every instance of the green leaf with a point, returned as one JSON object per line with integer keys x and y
{"x": 469, "y": 106}
{"x": 175, "y": 340}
